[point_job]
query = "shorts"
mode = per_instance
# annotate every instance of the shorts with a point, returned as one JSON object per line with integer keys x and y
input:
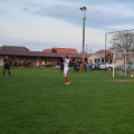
{"x": 65, "y": 70}
{"x": 6, "y": 67}
{"x": 57, "y": 67}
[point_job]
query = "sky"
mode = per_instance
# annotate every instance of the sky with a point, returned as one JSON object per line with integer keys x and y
{"x": 42, "y": 24}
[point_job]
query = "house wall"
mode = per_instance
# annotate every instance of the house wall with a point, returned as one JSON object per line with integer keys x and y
{"x": 92, "y": 58}
{"x": 119, "y": 62}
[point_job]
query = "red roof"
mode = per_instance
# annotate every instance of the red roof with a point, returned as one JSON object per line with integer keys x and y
{"x": 47, "y": 50}
{"x": 63, "y": 50}
{"x": 103, "y": 51}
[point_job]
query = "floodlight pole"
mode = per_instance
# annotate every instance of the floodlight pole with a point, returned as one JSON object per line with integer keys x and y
{"x": 105, "y": 51}
{"x": 83, "y": 46}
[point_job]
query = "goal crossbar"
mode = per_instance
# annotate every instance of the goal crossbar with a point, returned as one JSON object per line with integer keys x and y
{"x": 125, "y": 53}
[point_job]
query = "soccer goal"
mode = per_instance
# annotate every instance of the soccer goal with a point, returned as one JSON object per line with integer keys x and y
{"x": 126, "y": 69}
{"x": 121, "y": 45}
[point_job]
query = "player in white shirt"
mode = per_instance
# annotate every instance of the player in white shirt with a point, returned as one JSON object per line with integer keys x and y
{"x": 66, "y": 63}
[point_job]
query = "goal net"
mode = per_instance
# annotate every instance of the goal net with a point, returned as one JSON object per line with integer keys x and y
{"x": 126, "y": 69}
{"x": 121, "y": 45}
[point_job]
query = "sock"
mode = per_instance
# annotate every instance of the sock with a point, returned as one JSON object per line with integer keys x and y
{"x": 9, "y": 72}
{"x": 3, "y": 73}
{"x": 67, "y": 79}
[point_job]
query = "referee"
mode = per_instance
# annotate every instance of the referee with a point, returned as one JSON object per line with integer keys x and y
{"x": 6, "y": 65}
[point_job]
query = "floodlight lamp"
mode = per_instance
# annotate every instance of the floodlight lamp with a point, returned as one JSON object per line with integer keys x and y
{"x": 81, "y": 8}
{"x": 84, "y": 8}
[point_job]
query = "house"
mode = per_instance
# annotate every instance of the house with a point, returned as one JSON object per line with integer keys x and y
{"x": 62, "y": 50}
{"x": 99, "y": 57}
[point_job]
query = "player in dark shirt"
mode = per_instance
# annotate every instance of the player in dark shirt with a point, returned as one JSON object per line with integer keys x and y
{"x": 6, "y": 65}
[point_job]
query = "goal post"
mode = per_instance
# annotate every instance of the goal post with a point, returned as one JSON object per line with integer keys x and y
{"x": 121, "y": 45}
{"x": 126, "y": 69}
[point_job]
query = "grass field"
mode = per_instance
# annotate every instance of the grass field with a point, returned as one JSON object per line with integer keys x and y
{"x": 36, "y": 101}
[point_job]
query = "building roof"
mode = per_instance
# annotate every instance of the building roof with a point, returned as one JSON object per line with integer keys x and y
{"x": 37, "y": 54}
{"x": 103, "y": 51}
{"x": 63, "y": 50}
{"x": 5, "y": 47}
{"x": 47, "y": 50}
{"x": 89, "y": 55}
{"x": 102, "y": 55}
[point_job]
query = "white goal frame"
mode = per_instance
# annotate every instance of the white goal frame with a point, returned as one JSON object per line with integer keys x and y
{"x": 125, "y": 60}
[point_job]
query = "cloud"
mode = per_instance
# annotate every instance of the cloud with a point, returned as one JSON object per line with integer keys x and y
{"x": 51, "y": 31}
{"x": 121, "y": 27}
{"x": 1, "y": 10}
{"x": 26, "y": 9}
{"x": 97, "y": 16}
{"x": 100, "y": 14}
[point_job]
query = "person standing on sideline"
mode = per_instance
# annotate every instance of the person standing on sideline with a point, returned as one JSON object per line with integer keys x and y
{"x": 57, "y": 67}
{"x": 85, "y": 66}
{"x": 6, "y": 66}
{"x": 24, "y": 62}
{"x": 89, "y": 66}
{"x": 10, "y": 62}
{"x": 75, "y": 66}
{"x": 66, "y": 63}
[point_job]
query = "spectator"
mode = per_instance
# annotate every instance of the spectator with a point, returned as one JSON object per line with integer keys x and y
{"x": 78, "y": 66}
{"x": 85, "y": 66}
{"x": 57, "y": 67}
{"x": 24, "y": 62}
{"x": 75, "y": 66}
{"x": 43, "y": 63}
{"x": 62, "y": 66}
{"x": 10, "y": 62}
{"x": 15, "y": 63}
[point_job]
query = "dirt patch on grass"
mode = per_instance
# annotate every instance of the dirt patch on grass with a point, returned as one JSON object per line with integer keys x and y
{"x": 124, "y": 81}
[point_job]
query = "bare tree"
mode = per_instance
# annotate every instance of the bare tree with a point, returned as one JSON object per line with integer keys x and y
{"x": 122, "y": 42}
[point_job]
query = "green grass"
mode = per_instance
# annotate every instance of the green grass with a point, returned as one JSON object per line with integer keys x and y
{"x": 36, "y": 101}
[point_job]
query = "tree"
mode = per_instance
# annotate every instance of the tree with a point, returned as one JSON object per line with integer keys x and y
{"x": 123, "y": 42}
{"x": 54, "y": 50}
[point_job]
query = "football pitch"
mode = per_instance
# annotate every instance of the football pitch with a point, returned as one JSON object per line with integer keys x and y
{"x": 36, "y": 101}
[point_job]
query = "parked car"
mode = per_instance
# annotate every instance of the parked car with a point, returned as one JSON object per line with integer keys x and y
{"x": 120, "y": 67}
{"x": 106, "y": 66}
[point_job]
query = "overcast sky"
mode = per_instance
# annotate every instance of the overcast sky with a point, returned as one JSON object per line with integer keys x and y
{"x": 41, "y": 24}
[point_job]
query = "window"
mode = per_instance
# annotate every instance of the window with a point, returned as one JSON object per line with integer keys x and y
{"x": 111, "y": 61}
{"x": 103, "y": 60}
{"x": 95, "y": 60}
{"x": 106, "y": 60}
{"x": 50, "y": 60}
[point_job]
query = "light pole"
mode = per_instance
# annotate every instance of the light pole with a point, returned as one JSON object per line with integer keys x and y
{"x": 83, "y": 46}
